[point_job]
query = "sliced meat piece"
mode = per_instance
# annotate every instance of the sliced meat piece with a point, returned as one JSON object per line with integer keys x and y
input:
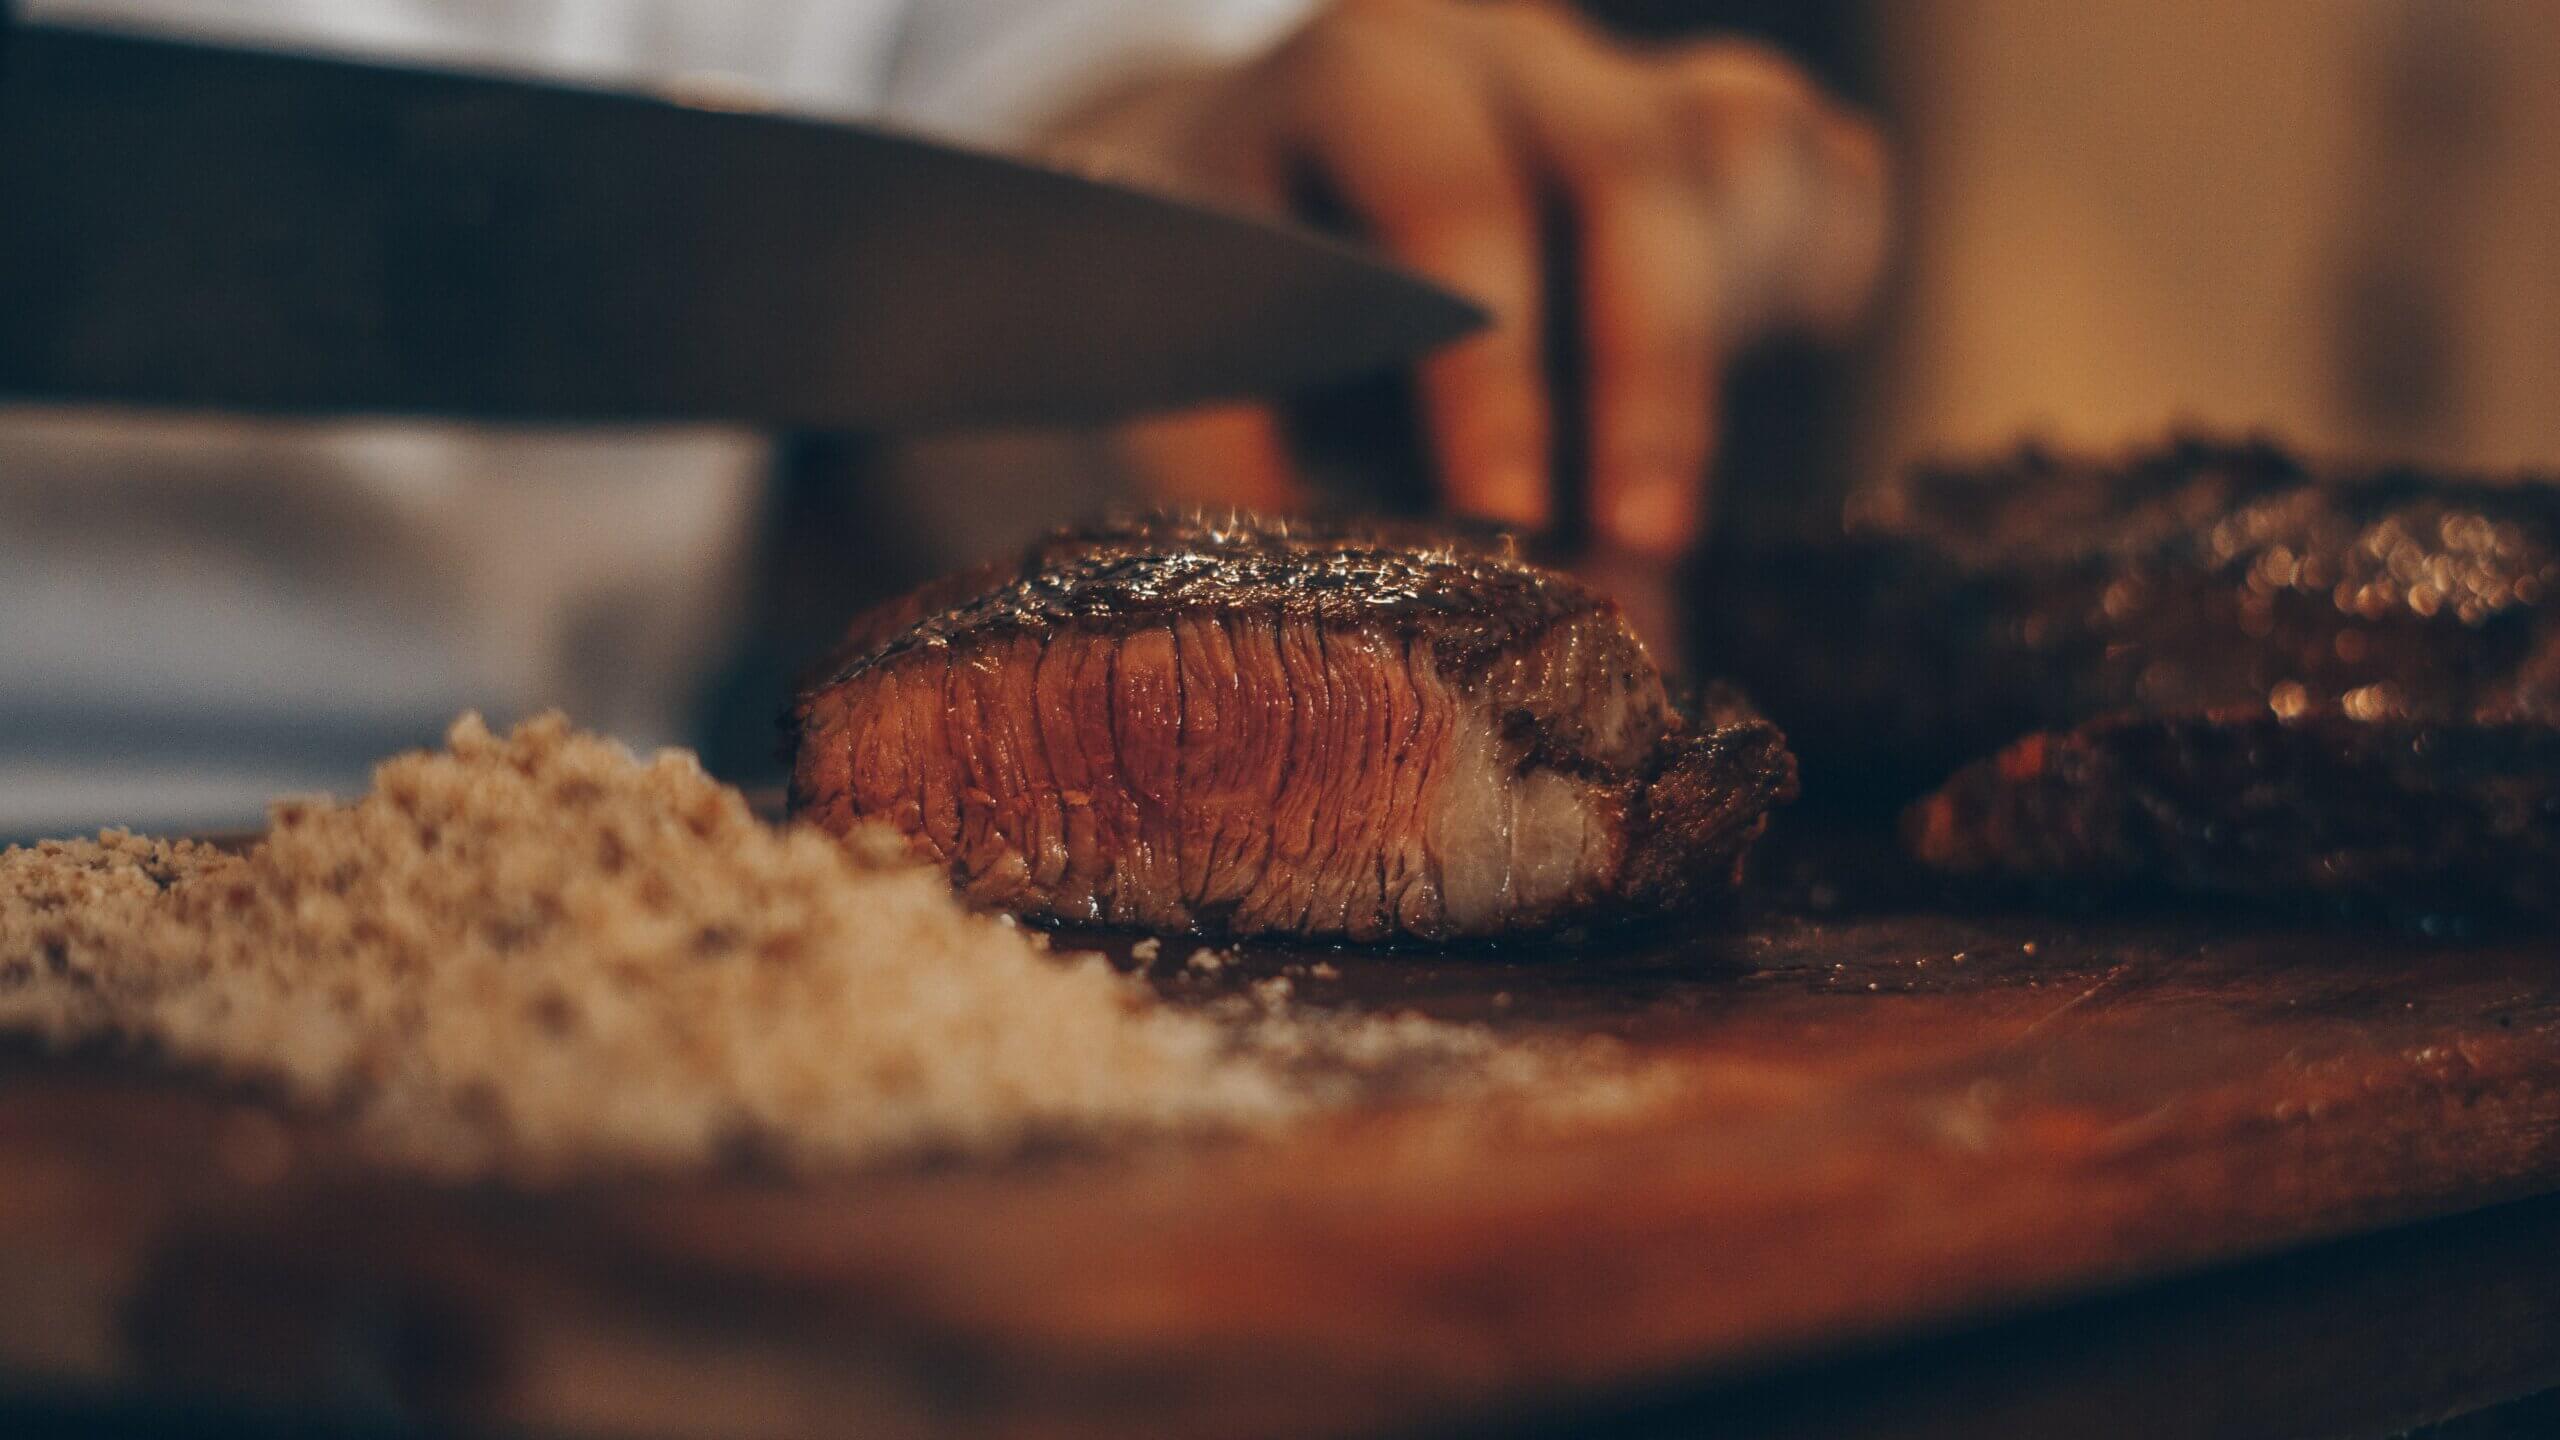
{"x": 1241, "y": 727}
{"x": 2416, "y": 816}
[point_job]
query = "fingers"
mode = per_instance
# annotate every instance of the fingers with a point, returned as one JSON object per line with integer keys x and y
{"x": 1484, "y": 406}
{"x": 1225, "y": 455}
{"x": 1650, "y": 275}
{"x": 1400, "y": 123}
{"x": 1717, "y": 195}
{"x": 1799, "y": 183}
{"x": 1649, "y": 312}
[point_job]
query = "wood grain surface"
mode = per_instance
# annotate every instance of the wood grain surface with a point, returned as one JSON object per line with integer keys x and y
{"x": 1882, "y": 1130}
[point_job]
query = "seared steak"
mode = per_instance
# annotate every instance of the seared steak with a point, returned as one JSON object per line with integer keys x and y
{"x": 2235, "y": 672}
{"x": 2416, "y": 816}
{"x": 2034, "y": 593}
{"x": 1243, "y": 727}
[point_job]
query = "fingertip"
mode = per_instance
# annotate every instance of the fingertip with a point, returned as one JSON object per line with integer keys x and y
{"x": 1216, "y": 455}
{"x": 1508, "y": 492}
{"x": 1485, "y": 410}
{"x": 1653, "y": 510}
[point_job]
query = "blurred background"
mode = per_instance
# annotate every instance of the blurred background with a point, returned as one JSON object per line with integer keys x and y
{"x": 2331, "y": 221}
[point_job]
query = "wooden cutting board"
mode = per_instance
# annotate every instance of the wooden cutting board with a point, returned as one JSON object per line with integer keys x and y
{"x": 1883, "y": 1127}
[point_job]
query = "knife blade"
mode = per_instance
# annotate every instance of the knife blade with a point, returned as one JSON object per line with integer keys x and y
{"x": 207, "y": 226}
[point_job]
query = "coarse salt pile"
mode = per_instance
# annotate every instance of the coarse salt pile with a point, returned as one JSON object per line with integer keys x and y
{"x": 536, "y": 954}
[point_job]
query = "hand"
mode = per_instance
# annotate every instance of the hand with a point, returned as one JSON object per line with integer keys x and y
{"x": 1716, "y": 195}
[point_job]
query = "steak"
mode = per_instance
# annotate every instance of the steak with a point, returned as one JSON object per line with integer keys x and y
{"x": 2415, "y": 816}
{"x": 1234, "y": 726}
{"x": 1977, "y": 603}
{"x": 2235, "y": 672}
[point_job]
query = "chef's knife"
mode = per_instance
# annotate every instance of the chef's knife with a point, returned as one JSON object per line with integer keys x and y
{"x": 199, "y": 225}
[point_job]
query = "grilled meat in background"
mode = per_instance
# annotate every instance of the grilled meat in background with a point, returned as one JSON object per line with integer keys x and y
{"x": 1972, "y": 605}
{"x": 2206, "y": 667}
{"x": 1239, "y": 727}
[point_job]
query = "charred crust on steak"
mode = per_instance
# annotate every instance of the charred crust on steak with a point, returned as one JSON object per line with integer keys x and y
{"x": 1707, "y": 799}
{"x": 1472, "y": 599}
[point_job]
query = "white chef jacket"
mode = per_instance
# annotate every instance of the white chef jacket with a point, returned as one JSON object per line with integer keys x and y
{"x": 204, "y": 612}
